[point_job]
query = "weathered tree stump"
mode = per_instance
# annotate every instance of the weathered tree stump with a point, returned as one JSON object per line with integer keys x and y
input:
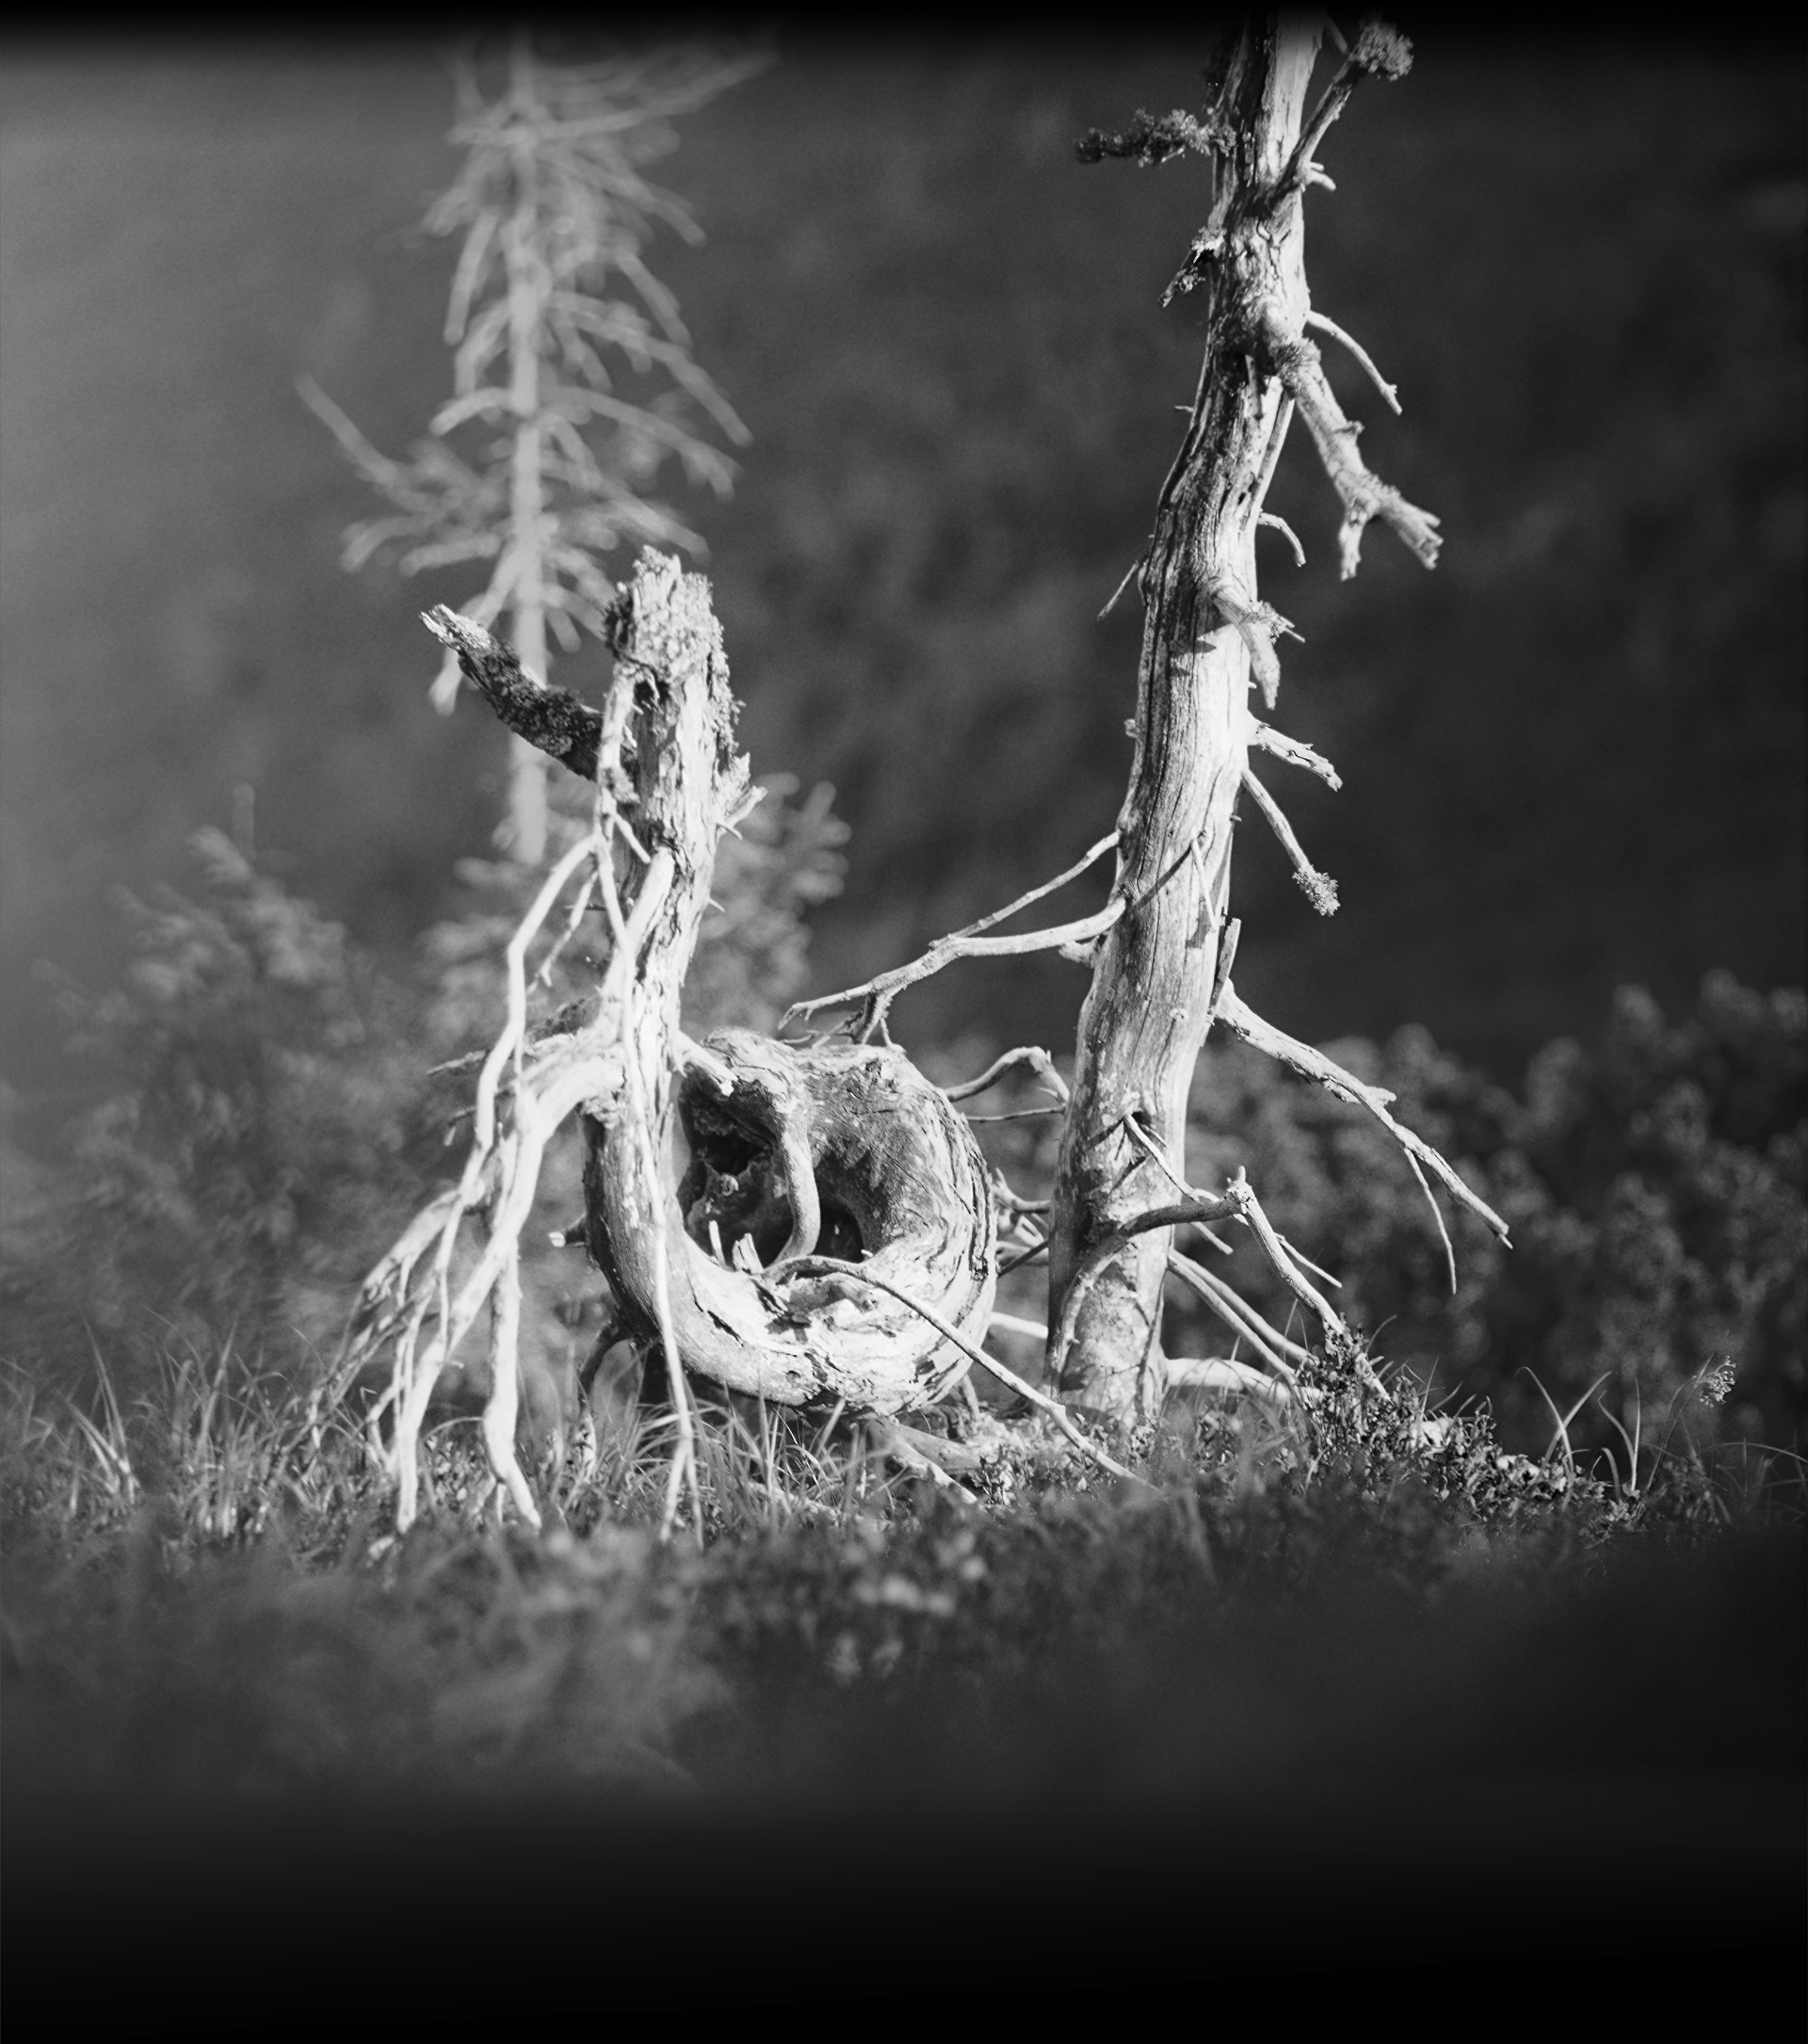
{"x": 836, "y": 1150}
{"x": 832, "y": 1151}
{"x": 782, "y": 1139}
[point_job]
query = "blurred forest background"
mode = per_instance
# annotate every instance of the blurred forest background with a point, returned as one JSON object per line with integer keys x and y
{"x": 1573, "y": 755}
{"x": 1572, "y": 764}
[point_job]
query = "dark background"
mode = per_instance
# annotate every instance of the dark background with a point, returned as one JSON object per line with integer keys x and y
{"x": 1573, "y": 755}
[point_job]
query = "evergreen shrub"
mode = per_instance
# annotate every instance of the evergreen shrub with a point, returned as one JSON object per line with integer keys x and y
{"x": 276, "y": 1104}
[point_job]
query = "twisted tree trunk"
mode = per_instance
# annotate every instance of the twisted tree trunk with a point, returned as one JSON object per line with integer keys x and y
{"x": 792, "y": 1151}
{"x": 838, "y": 1151}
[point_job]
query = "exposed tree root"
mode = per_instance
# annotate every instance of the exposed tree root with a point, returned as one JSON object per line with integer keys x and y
{"x": 839, "y": 1147}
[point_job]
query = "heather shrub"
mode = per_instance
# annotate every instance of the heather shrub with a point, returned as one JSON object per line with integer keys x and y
{"x": 1657, "y": 1189}
{"x": 1654, "y": 1191}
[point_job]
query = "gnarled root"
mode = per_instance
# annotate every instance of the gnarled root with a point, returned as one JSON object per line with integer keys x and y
{"x": 839, "y": 1149}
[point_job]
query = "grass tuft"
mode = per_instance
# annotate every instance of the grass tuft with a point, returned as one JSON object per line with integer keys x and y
{"x": 201, "y": 1589}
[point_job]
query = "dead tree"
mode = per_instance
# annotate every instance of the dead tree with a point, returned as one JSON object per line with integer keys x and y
{"x": 832, "y": 1239}
{"x": 1162, "y": 948}
{"x": 1162, "y": 973}
{"x": 552, "y": 303}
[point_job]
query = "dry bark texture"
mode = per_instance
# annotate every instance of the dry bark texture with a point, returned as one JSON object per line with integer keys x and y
{"x": 1161, "y": 970}
{"x": 832, "y": 1239}
{"x": 785, "y": 1139}
{"x": 1149, "y": 1007}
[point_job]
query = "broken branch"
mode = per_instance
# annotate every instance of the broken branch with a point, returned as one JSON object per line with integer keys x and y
{"x": 1244, "y": 1022}
{"x": 552, "y": 720}
{"x": 1363, "y": 493}
{"x": 875, "y": 996}
{"x": 1293, "y": 753}
{"x": 1319, "y": 888}
{"x": 1292, "y": 537}
{"x": 1238, "y": 1315}
{"x": 1038, "y": 1061}
{"x": 1258, "y": 626}
{"x": 1144, "y": 1141}
{"x": 1390, "y": 394}
{"x": 1241, "y": 1197}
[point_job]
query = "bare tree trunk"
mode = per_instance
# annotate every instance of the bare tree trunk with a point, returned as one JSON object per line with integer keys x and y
{"x": 1157, "y": 969}
{"x": 526, "y": 819}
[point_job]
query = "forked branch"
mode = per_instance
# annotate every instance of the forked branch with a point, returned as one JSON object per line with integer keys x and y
{"x": 1378, "y": 51}
{"x": 1363, "y": 493}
